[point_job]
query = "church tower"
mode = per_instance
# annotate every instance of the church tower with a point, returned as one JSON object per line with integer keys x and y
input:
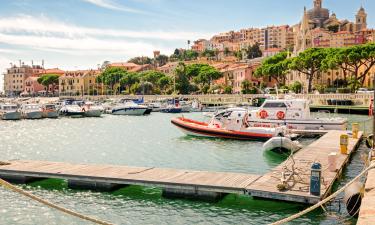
{"x": 361, "y": 19}
{"x": 318, "y": 4}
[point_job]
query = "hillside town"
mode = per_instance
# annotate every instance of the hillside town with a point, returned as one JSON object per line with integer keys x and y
{"x": 235, "y": 54}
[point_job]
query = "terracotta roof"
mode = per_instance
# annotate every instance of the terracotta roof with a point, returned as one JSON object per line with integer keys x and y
{"x": 123, "y": 64}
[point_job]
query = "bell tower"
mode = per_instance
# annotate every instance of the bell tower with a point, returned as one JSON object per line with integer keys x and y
{"x": 361, "y": 19}
{"x": 318, "y": 4}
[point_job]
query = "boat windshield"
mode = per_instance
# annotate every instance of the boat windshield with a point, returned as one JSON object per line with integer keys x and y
{"x": 49, "y": 106}
{"x": 9, "y": 107}
{"x": 274, "y": 105}
{"x": 31, "y": 107}
{"x": 224, "y": 114}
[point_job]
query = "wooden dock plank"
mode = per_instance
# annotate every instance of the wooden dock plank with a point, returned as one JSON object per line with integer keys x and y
{"x": 318, "y": 151}
{"x": 224, "y": 182}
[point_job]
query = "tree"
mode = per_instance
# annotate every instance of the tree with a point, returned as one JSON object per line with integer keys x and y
{"x": 354, "y": 84}
{"x": 238, "y": 54}
{"x": 206, "y": 75}
{"x": 164, "y": 83}
{"x": 129, "y": 79}
{"x": 111, "y": 76}
{"x": 351, "y": 60}
{"x": 47, "y": 80}
{"x": 228, "y": 90}
{"x": 309, "y": 63}
{"x": 141, "y": 60}
{"x": 254, "y": 51}
{"x": 275, "y": 67}
{"x": 181, "y": 80}
{"x": 296, "y": 87}
{"x": 161, "y": 60}
{"x": 245, "y": 87}
{"x": 208, "y": 53}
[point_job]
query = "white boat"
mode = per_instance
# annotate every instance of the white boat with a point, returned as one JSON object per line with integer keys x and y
{"x": 293, "y": 113}
{"x": 31, "y": 111}
{"x": 50, "y": 111}
{"x": 71, "y": 108}
{"x": 92, "y": 110}
{"x": 281, "y": 144}
{"x": 10, "y": 112}
{"x": 128, "y": 108}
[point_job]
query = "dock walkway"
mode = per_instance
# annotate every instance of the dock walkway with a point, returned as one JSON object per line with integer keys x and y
{"x": 367, "y": 211}
{"x": 204, "y": 184}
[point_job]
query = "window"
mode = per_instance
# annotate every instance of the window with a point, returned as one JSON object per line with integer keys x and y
{"x": 274, "y": 105}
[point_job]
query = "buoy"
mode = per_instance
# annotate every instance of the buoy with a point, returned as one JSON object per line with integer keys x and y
{"x": 280, "y": 115}
{"x": 263, "y": 114}
{"x": 353, "y": 198}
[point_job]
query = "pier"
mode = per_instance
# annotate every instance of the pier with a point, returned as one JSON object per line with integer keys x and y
{"x": 367, "y": 211}
{"x": 198, "y": 184}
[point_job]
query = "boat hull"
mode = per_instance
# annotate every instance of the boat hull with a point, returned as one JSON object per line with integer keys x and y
{"x": 51, "y": 114}
{"x": 129, "y": 111}
{"x": 72, "y": 114}
{"x": 302, "y": 124}
{"x": 195, "y": 128}
{"x": 11, "y": 116}
{"x": 93, "y": 113}
{"x": 33, "y": 115}
{"x": 171, "y": 110}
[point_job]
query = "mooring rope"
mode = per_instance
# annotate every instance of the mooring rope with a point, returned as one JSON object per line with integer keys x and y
{"x": 47, "y": 203}
{"x": 324, "y": 201}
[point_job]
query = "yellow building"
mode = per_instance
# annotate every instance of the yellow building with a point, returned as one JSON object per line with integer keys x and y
{"x": 79, "y": 82}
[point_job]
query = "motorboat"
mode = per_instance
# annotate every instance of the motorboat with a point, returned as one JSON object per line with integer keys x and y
{"x": 31, "y": 111}
{"x": 231, "y": 125}
{"x": 281, "y": 145}
{"x": 50, "y": 110}
{"x": 171, "y": 109}
{"x": 293, "y": 113}
{"x": 128, "y": 108}
{"x": 10, "y": 112}
{"x": 90, "y": 109}
{"x": 71, "y": 108}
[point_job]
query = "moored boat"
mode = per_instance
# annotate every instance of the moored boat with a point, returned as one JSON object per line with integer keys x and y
{"x": 31, "y": 111}
{"x": 293, "y": 113}
{"x": 92, "y": 110}
{"x": 228, "y": 126}
{"x": 128, "y": 108}
{"x": 71, "y": 108}
{"x": 50, "y": 110}
{"x": 9, "y": 112}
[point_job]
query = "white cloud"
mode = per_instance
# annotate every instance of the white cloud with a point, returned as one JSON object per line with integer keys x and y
{"x": 108, "y": 4}
{"x": 45, "y": 26}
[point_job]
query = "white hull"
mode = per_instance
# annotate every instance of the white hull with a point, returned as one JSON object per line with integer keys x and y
{"x": 281, "y": 144}
{"x": 129, "y": 112}
{"x": 302, "y": 124}
{"x": 93, "y": 113}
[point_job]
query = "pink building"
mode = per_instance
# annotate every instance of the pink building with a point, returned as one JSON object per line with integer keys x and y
{"x": 240, "y": 74}
{"x": 32, "y": 87}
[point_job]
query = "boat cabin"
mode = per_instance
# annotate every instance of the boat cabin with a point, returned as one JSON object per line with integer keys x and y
{"x": 281, "y": 109}
{"x": 8, "y": 107}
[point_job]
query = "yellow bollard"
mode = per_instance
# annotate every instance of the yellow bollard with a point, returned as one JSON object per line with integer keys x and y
{"x": 355, "y": 130}
{"x": 344, "y": 140}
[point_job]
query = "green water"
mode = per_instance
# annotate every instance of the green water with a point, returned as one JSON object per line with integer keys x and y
{"x": 143, "y": 141}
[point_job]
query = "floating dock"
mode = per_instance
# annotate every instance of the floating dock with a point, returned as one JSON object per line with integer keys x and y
{"x": 197, "y": 184}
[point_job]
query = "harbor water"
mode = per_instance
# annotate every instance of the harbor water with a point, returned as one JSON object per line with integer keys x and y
{"x": 147, "y": 141}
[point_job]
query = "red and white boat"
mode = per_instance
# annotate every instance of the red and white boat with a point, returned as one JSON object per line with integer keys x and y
{"x": 232, "y": 125}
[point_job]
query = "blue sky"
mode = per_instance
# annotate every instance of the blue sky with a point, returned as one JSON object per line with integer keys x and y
{"x": 79, "y": 34}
